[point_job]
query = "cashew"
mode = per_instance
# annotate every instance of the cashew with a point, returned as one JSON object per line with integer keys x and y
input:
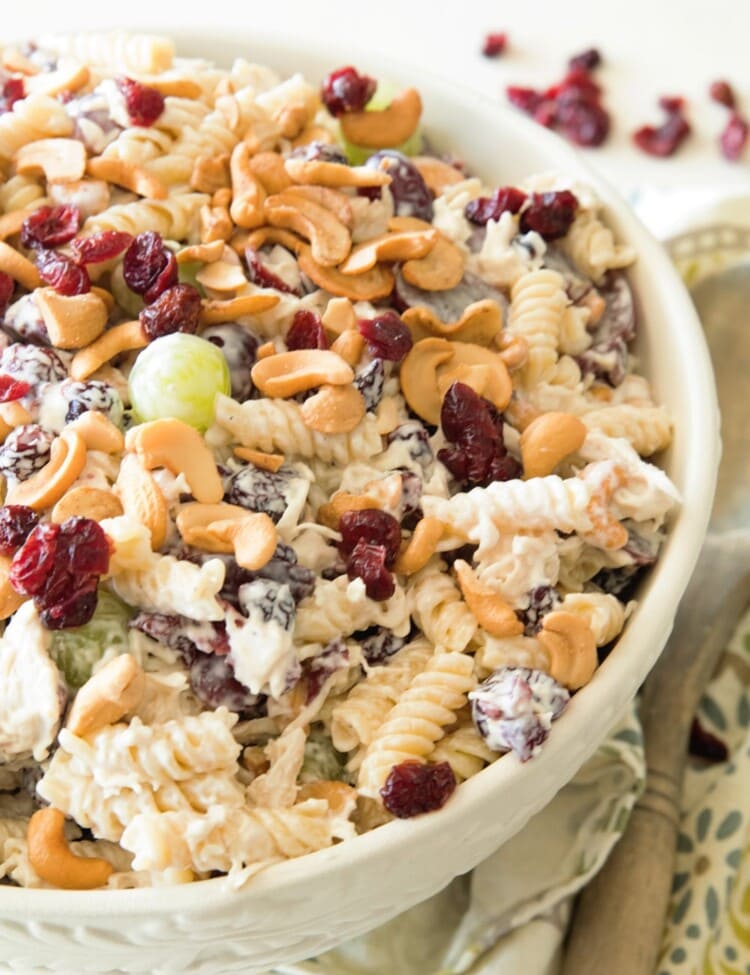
{"x": 128, "y": 175}
{"x": 72, "y": 321}
{"x": 418, "y": 377}
{"x": 349, "y": 345}
{"x": 548, "y": 440}
{"x": 269, "y": 168}
{"x": 98, "y": 432}
{"x": 520, "y": 413}
{"x": 248, "y": 194}
{"x": 47, "y": 486}
{"x": 263, "y": 351}
{"x": 204, "y": 253}
{"x": 61, "y": 160}
{"x": 323, "y": 173}
{"x": 210, "y": 173}
{"x": 222, "y": 275}
{"x": 15, "y": 62}
{"x": 339, "y": 316}
{"x": 420, "y": 547}
{"x": 498, "y": 388}
{"x": 492, "y": 612}
{"x": 142, "y": 499}
{"x": 71, "y": 77}
{"x": 10, "y": 600}
{"x": 121, "y": 338}
{"x": 11, "y": 223}
{"x": 215, "y": 223}
{"x": 606, "y": 531}
{"x": 374, "y": 284}
{"x": 330, "y": 241}
{"x": 313, "y": 133}
{"x": 402, "y": 246}
{"x": 571, "y": 648}
{"x": 181, "y": 449}
{"x": 214, "y": 312}
{"x": 53, "y": 860}
{"x": 480, "y": 323}
{"x": 595, "y": 304}
{"x": 333, "y": 409}
{"x": 288, "y": 373}
{"x": 86, "y": 502}
{"x": 291, "y": 119}
{"x": 273, "y": 235}
{"x": 105, "y": 296}
{"x": 441, "y": 269}
{"x": 388, "y": 416}
{"x": 387, "y": 128}
{"x": 340, "y": 797}
{"x": 12, "y": 415}
{"x": 324, "y": 196}
{"x": 329, "y": 514}
{"x": 19, "y": 267}
{"x": 514, "y": 349}
{"x": 266, "y": 462}
{"x": 479, "y": 378}
{"x": 228, "y": 528}
{"x": 438, "y": 175}
{"x": 108, "y": 696}
{"x": 173, "y": 87}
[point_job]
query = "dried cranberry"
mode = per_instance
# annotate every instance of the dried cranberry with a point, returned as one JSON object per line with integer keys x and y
{"x": 144, "y": 104}
{"x": 587, "y": 60}
{"x": 367, "y": 562}
{"x": 374, "y": 527}
{"x": 542, "y": 600}
{"x": 576, "y": 85}
{"x": 50, "y": 226}
{"x": 100, "y": 247}
{"x": 26, "y": 450}
{"x": 175, "y": 310}
{"x": 12, "y": 389}
{"x": 546, "y": 113}
{"x": 62, "y": 273}
{"x": 705, "y": 745}
{"x": 148, "y": 266}
{"x": 16, "y": 522}
{"x": 379, "y": 644}
{"x": 317, "y": 670}
{"x": 411, "y": 195}
{"x": 475, "y": 429}
{"x": 259, "y": 274}
{"x": 582, "y": 122}
{"x": 60, "y": 566}
{"x": 345, "y": 90}
{"x": 387, "y": 337}
{"x": 667, "y": 139}
{"x": 723, "y": 93}
{"x": 494, "y": 45}
{"x": 239, "y": 346}
{"x": 734, "y": 137}
{"x": 13, "y": 91}
{"x": 213, "y": 682}
{"x": 306, "y": 332}
{"x": 413, "y": 788}
{"x": 485, "y": 208}
{"x": 550, "y": 214}
{"x": 7, "y": 286}
{"x": 527, "y": 99}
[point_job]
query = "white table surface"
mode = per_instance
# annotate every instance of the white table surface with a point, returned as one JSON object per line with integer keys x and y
{"x": 651, "y": 47}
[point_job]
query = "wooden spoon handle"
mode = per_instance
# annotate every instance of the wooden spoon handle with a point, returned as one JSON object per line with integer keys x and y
{"x": 620, "y": 915}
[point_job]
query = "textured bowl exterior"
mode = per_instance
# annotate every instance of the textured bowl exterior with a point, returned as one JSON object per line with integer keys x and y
{"x": 303, "y": 907}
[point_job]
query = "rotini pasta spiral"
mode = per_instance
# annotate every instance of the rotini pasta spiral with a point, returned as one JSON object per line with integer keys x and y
{"x": 439, "y": 609}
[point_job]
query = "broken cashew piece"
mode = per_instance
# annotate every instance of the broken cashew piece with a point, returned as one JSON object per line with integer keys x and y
{"x": 329, "y": 514}
{"x": 349, "y": 345}
{"x": 491, "y": 611}
{"x": 325, "y": 196}
{"x": 128, "y": 175}
{"x": 214, "y": 312}
{"x": 420, "y": 547}
{"x": 48, "y": 485}
{"x": 61, "y": 160}
{"x": 10, "y": 600}
{"x": 373, "y": 284}
{"x": 339, "y": 316}
{"x": 266, "y": 462}
{"x": 269, "y": 168}
{"x": 335, "y": 175}
{"x": 181, "y": 449}
{"x": 142, "y": 499}
{"x": 72, "y": 321}
{"x": 438, "y": 175}
{"x": 204, "y": 253}
{"x": 19, "y": 267}
{"x": 548, "y": 440}
{"x": 126, "y": 337}
{"x": 333, "y": 409}
{"x": 480, "y": 323}
{"x": 400, "y": 246}
{"x": 98, "y": 432}
{"x": 288, "y": 373}
{"x": 514, "y": 349}
{"x": 210, "y": 173}
{"x": 54, "y": 861}
{"x": 87, "y": 502}
{"x": 571, "y": 648}
{"x": 387, "y": 128}
{"x": 108, "y": 696}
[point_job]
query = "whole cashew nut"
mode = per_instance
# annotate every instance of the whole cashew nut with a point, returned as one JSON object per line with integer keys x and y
{"x": 571, "y": 648}
{"x": 492, "y": 612}
{"x": 108, "y": 696}
{"x": 548, "y": 440}
{"x": 53, "y": 860}
{"x": 387, "y": 128}
{"x": 181, "y": 449}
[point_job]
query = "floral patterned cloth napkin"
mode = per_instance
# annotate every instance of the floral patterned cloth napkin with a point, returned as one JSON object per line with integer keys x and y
{"x": 510, "y": 915}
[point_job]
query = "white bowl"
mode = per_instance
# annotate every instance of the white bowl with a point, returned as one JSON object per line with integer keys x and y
{"x": 302, "y": 907}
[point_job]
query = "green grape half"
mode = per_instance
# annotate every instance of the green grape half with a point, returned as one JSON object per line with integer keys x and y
{"x": 322, "y": 761}
{"x": 384, "y": 93}
{"x": 178, "y": 376}
{"x": 75, "y": 651}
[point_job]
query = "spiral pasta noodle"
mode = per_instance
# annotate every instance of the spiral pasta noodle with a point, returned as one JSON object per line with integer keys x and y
{"x": 439, "y": 609}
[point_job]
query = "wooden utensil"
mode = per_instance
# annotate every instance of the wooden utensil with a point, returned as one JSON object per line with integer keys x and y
{"x": 619, "y": 918}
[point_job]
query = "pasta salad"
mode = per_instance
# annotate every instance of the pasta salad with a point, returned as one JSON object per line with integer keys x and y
{"x": 325, "y": 466}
